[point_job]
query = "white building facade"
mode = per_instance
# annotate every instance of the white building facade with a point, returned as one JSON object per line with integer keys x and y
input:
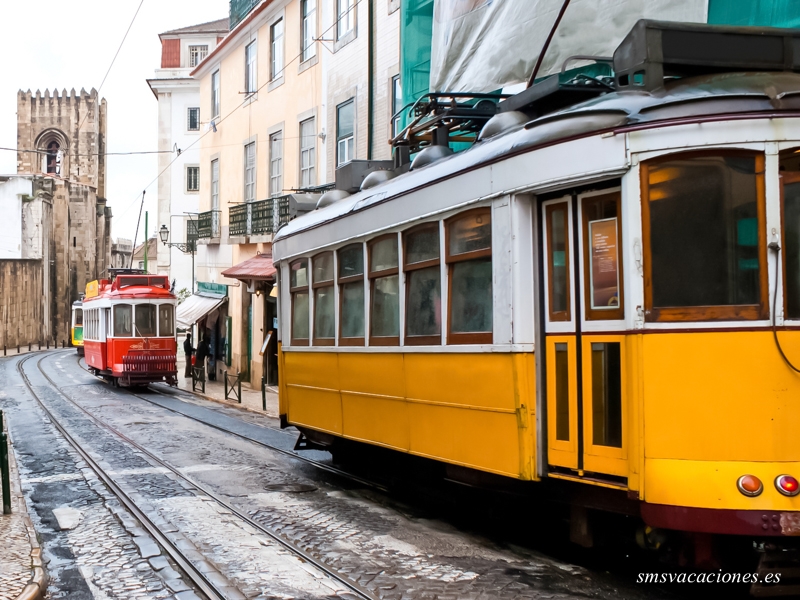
{"x": 180, "y": 123}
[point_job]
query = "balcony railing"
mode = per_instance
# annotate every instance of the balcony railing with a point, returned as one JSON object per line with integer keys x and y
{"x": 208, "y": 224}
{"x": 262, "y": 217}
{"x": 238, "y": 217}
{"x": 253, "y": 218}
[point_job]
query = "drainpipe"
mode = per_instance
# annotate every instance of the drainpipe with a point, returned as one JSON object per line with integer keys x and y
{"x": 370, "y": 76}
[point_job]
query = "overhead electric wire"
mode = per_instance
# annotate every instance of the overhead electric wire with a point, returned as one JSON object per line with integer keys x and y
{"x": 237, "y": 107}
{"x": 113, "y": 60}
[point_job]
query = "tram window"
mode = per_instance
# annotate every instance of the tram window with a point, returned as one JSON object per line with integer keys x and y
{"x": 557, "y": 223}
{"x": 705, "y": 248}
{"x": 123, "y": 320}
{"x": 384, "y": 291}
{"x": 166, "y": 327}
{"x": 606, "y": 395}
{"x": 145, "y": 322}
{"x": 790, "y": 181}
{"x": 324, "y": 307}
{"x": 423, "y": 285}
{"x": 78, "y": 316}
{"x": 601, "y": 255}
{"x": 298, "y": 288}
{"x": 351, "y": 295}
{"x": 469, "y": 258}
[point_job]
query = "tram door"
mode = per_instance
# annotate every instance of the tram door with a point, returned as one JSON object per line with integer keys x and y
{"x": 585, "y": 348}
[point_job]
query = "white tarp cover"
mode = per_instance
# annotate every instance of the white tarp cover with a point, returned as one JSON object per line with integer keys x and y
{"x": 194, "y": 308}
{"x": 484, "y": 45}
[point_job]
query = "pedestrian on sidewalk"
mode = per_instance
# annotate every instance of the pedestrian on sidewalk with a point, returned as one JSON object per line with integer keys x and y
{"x": 188, "y": 350}
{"x": 202, "y": 353}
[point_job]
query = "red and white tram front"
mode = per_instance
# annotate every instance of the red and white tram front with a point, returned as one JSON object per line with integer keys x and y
{"x": 129, "y": 329}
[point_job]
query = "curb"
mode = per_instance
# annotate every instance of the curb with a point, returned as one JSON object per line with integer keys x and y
{"x": 231, "y": 403}
{"x": 36, "y": 588}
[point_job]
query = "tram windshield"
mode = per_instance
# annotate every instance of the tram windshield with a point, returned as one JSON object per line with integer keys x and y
{"x": 145, "y": 320}
{"x": 78, "y": 317}
{"x": 122, "y": 320}
{"x": 166, "y": 327}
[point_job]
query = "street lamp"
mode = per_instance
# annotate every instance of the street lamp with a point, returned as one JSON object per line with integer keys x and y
{"x": 187, "y": 248}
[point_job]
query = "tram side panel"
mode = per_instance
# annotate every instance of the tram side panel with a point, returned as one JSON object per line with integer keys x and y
{"x": 719, "y": 405}
{"x": 473, "y": 410}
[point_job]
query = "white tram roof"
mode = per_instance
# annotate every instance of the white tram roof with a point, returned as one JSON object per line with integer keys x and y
{"x": 701, "y": 98}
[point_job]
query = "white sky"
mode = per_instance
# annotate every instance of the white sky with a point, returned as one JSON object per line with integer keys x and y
{"x": 70, "y": 44}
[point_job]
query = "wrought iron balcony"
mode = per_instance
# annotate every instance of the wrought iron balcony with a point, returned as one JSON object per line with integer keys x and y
{"x": 239, "y": 10}
{"x": 252, "y": 218}
{"x": 262, "y": 217}
{"x": 208, "y": 224}
{"x": 238, "y": 218}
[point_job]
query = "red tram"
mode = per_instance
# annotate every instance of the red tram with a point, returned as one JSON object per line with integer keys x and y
{"x": 129, "y": 329}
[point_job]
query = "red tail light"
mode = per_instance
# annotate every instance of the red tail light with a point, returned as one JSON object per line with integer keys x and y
{"x": 787, "y": 485}
{"x": 750, "y": 485}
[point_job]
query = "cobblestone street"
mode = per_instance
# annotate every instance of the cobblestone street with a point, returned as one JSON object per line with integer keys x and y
{"x": 198, "y": 482}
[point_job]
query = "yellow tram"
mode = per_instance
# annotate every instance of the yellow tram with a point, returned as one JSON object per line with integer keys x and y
{"x": 601, "y": 292}
{"x": 76, "y": 327}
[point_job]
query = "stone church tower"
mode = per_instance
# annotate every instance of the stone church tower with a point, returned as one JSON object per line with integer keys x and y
{"x": 63, "y": 136}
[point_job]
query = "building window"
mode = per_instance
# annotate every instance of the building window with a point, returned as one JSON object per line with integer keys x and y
{"x": 250, "y": 172}
{"x": 345, "y": 129}
{"x": 193, "y": 119}
{"x": 215, "y": 184}
{"x": 53, "y": 163}
{"x": 308, "y": 146}
{"x": 423, "y": 285}
{"x": 276, "y": 164}
{"x": 351, "y": 295}
{"x": 469, "y": 259}
{"x": 324, "y": 306}
{"x": 704, "y": 237}
{"x": 384, "y": 292}
{"x": 309, "y": 29}
{"x": 397, "y": 105}
{"x": 298, "y": 288}
{"x": 276, "y": 38}
{"x": 215, "y": 95}
{"x": 192, "y": 179}
{"x": 250, "y": 78}
{"x": 345, "y": 17}
{"x": 197, "y": 54}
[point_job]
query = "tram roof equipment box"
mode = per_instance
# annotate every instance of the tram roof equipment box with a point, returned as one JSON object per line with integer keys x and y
{"x": 653, "y": 50}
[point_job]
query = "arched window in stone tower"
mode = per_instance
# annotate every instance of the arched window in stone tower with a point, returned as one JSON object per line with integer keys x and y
{"x": 54, "y": 158}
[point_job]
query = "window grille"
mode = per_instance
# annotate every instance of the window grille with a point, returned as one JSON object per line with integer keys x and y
{"x": 192, "y": 179}
{"x": 197, "y": 54}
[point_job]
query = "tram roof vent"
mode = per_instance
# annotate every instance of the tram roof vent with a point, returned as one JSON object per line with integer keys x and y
{"x": 655, "y": 50}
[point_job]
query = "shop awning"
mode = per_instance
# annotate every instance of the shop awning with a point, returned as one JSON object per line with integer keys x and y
{"x": 194, "y": 308}
{"x": 258, "y": 268}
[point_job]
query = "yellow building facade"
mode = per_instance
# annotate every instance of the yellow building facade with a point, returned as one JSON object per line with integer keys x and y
{"x": 260, "y": 105}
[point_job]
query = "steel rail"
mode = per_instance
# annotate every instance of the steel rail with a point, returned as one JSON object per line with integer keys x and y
{"x": 319, "y": 465}
{"x": 353, "y": 586}
{"x": 197, "y": 577}
{"x": 311, "y": 461}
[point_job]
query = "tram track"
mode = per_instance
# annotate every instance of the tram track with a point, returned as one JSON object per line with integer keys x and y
{"x": 197, "y": 576}
{"x": 310, "y": 461}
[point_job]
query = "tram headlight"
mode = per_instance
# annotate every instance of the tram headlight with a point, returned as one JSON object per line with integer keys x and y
{"x": 750, "y": 485}
{"x": 787, "y": 485}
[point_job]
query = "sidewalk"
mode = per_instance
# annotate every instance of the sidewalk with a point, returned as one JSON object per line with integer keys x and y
{"x": 21, "y": 574}
{"x": 34, "y": 348}
{"x": 215, "y": 390}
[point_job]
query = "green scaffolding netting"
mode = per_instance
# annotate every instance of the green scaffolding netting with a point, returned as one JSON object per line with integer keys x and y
{"x": 763, "y": 13}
